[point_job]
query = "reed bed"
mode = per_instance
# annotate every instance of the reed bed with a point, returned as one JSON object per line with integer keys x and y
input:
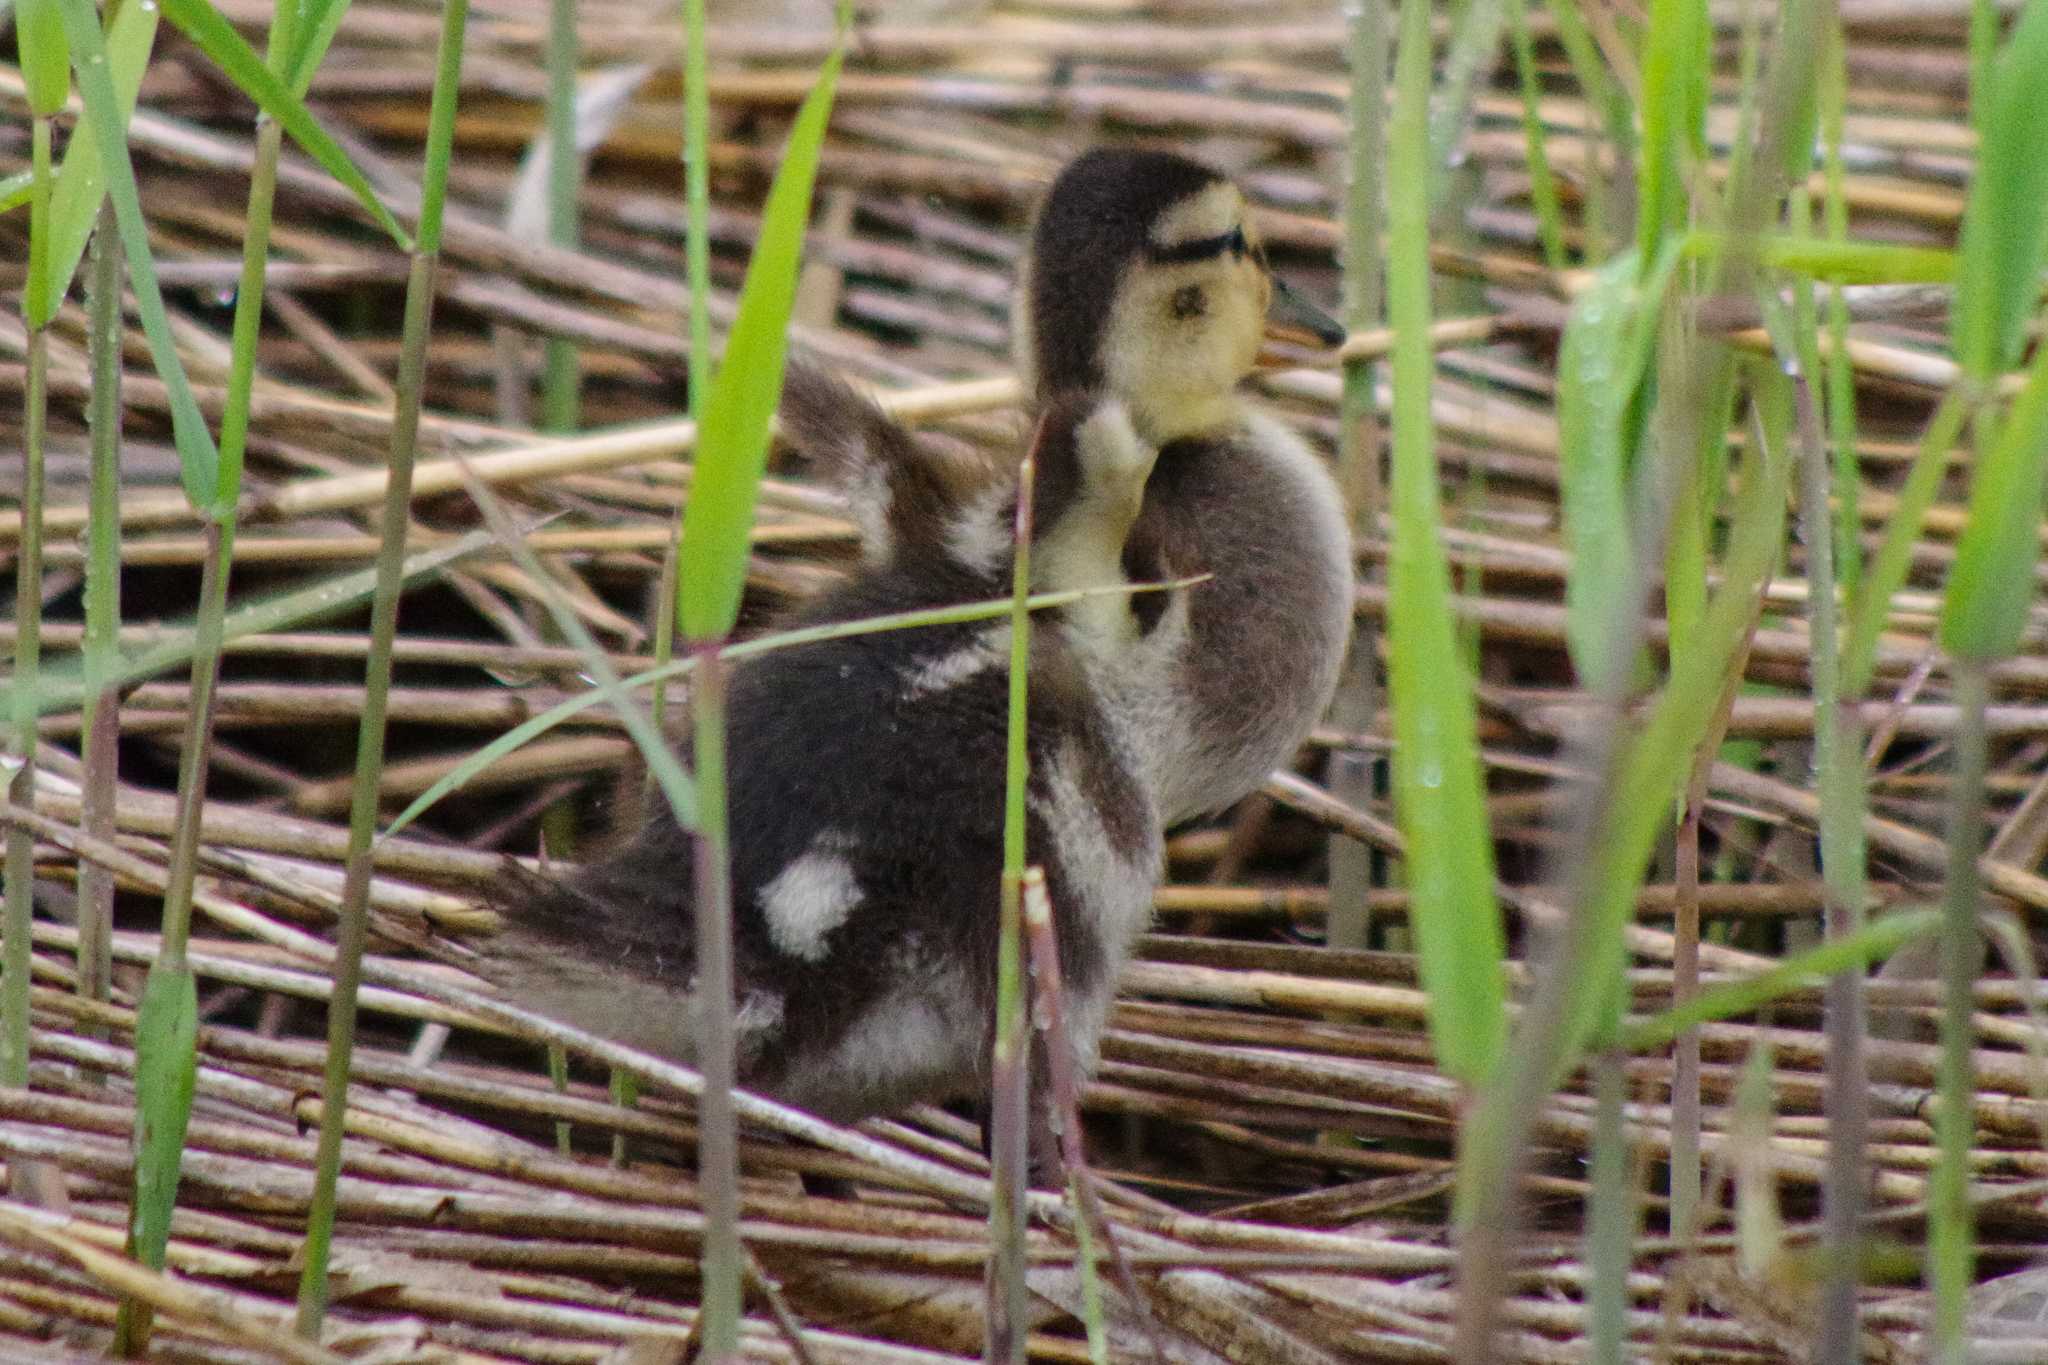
{"x": 1278, "y": 1147}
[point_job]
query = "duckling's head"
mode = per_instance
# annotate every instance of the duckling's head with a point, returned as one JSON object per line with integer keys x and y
{"x": 1147, "y": 279}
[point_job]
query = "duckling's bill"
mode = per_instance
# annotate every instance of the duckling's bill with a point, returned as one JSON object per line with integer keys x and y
{"x": 1297, "y": 332}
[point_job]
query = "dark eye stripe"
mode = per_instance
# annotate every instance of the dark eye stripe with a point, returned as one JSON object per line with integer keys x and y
{"x": 1200, "y": 249}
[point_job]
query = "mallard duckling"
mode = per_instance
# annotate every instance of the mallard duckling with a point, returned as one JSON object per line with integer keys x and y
{"x": 865, "y": 799}
{"x": 865, "y": 796}
{"x": 1147, "y": 282}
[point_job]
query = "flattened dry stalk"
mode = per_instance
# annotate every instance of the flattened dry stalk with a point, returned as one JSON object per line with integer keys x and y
{"x": 1063, "y": 1105}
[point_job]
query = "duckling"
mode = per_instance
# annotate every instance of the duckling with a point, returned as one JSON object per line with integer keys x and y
{"x": 865, "y": 795}
{"x": 1147, "y": 282}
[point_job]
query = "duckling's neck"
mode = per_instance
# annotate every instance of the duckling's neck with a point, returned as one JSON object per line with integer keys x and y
{"x": 1160, "y": 419}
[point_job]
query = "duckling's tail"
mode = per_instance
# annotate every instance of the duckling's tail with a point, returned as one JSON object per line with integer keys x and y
{"x": 902, "y": 491}
{"x": 840, "y": 429}
{"x": 607, "y": 949}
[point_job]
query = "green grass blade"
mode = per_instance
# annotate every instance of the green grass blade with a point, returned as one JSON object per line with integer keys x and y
{"x": 2005, "y": 220}
{"x": 1594, "y": 392}
{"x": 214, "y": 36}
{"x": 1438, "y": 785}
{"x": 732, "y": 446}
{"x": 1873, "y": 943}
{"x": 1838, "y": 261}
{"x": 44, "y": 55}
{"x": 15, "y": 190}
{"x": 81, "y": 180}
{"x": 198, "y": 460}
{"x": 1602, "y": 366}
{"x": 319, "y": 21}
{"x": 166, "y": 1069}
{"x": 1673, "y": 112}
{"x": 1991, "y": 586}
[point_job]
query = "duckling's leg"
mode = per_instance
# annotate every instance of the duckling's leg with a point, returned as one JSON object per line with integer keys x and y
{"x": 1045, "y": 1164}
{"x": 1084, "y": 545}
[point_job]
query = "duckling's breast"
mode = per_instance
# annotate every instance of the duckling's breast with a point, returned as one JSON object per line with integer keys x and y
{"x": 1228, "y": 682}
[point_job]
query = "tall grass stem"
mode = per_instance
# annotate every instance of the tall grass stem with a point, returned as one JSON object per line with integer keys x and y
{"x": 1951, "y": 1223}
{"x": 353, "y": 931}
{"x": 717, "y": 1125}
{"x": 102, "y": 654}
{"x": 1010, "y": 1066}
{"x": 559, "y": 397}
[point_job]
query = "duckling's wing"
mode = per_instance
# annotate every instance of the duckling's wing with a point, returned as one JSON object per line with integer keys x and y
{"x": 904, "y": 492}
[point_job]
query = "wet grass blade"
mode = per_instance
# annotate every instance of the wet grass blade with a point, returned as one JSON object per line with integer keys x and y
{"x": 43, "y": 55}
{"x": 198, "y": 459}
{"x": 319, "y": 21}
{"x": 1838, "y": 261}
{"x": 81, "y": 180}
{"x": 213, "y": 35}
{"x": 1543, "y": 193}
{"x": 1438, "y": 786}
{"x": 1654, "y": 766}
{"x": 1600, "y": 371}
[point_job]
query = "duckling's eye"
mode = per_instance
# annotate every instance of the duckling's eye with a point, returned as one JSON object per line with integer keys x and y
{"x": 1237, "y": 243}
{"x": 1189, "y": 302}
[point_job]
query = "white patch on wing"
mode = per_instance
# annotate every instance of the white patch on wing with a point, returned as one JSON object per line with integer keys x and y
{"x": 989, "y": 649}
{"x": 810, "y": 898}
{"x": 980, "y": 537}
